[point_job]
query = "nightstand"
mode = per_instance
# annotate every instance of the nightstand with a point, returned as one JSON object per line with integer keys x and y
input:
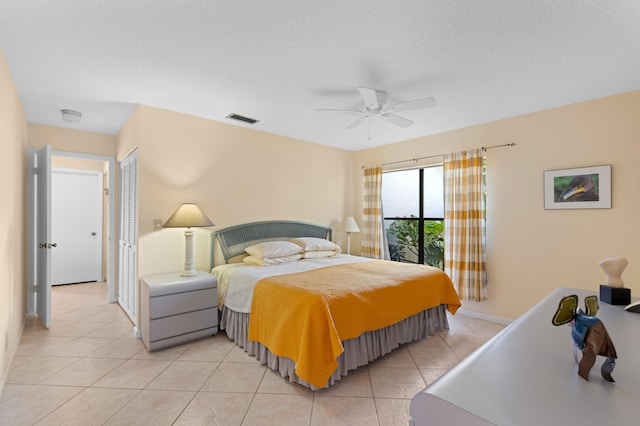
{"x": 176, "y": 310}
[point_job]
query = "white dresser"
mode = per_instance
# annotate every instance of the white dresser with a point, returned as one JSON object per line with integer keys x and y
{"x": 526, "y": 375}
{"x": 176, "y": 310}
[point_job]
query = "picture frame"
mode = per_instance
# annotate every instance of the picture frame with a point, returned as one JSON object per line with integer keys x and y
{"x": 578, "y": 188}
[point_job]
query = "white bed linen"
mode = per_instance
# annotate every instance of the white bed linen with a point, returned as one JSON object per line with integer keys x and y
{"x": 237, "y": 280}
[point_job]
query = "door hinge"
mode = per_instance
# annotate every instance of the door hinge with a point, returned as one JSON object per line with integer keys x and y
{"x": 35, "y": 170}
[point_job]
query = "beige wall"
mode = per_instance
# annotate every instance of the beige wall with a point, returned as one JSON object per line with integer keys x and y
{"x": 79, "y": 164}
{"x": 235, "y": 175}
{"x": 13, "y": 148}
{"x": 129, "y": 137}
{"x": 69, "y": 140}
{"x": 531, "y": 251}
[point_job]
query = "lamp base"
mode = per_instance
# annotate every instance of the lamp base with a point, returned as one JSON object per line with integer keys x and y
{"x": 189, "y": 263}
{"x": 614, "y": 295}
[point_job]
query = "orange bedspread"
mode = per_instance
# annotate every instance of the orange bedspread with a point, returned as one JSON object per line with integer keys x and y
{"x": 304, "y": 316}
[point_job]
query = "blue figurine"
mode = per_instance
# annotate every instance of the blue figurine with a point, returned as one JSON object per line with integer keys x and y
{"x": 588, "y": 333}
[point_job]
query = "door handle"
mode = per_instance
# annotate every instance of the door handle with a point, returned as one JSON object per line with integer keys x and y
{"x": 47, "y": 245}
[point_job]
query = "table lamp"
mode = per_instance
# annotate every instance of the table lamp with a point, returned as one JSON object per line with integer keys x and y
{"x": 188, "y": 216}
{"x": 349, "y": 225}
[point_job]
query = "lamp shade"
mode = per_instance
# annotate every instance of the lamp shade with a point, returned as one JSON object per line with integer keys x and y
{"x": 350, "y": 225}
{"x": 188, "y": 215}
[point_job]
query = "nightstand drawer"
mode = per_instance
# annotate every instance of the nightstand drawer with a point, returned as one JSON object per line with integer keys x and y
{"x": 183, "y": 324}
{"x": 172, "y": 304}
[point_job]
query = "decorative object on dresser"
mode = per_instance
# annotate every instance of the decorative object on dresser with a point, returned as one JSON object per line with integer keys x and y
{"x": 588, "y": 333}
{"x": 188, "y": 216}
{"x": 633, "y": 307}
{"x": 349, "y": 225}
{"x": 613, "y": 292}
{"x": 176, "y": 309}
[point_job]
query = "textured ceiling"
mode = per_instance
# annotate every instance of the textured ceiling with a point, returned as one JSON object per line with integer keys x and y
{"x": 277, "y": 61}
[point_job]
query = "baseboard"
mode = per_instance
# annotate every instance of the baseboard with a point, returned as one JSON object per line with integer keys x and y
{"x": 12, "y": 355}
{"x": 483, "y": 316}
{"x": 137, "y": 333}
{"x": 3, "y": 378}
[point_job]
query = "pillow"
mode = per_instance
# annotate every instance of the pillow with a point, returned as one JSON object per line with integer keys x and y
{"x": 315, "y": 244}
{"x": 252, "y": 260}
{"x": 319, "y": 254}
{"x": 270, "y": 249}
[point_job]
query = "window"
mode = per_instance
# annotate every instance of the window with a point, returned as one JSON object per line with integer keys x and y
{"x": 413, "y": 208}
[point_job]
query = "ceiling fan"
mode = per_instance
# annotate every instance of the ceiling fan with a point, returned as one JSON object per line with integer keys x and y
{"x": 375, "y": 104}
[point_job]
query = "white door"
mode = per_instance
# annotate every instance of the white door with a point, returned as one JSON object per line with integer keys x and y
{"x": 41, "y": 214}
{"x": 127, "y": 261}
{"x": 76, "y": 226}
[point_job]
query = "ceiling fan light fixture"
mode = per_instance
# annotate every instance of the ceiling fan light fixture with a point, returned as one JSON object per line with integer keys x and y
{"x": 70, "y": 115}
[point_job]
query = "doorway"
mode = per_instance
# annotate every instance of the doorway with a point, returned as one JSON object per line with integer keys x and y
{"x": 82, "y": 161}
{"x": 37, "y": 287}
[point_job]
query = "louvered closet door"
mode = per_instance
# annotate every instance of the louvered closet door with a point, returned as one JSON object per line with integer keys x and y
{"x": 127, "y": 241}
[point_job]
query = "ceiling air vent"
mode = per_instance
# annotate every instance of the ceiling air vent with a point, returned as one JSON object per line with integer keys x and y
{"x": 243, "y": 118}
{"x": 71, "y": 115}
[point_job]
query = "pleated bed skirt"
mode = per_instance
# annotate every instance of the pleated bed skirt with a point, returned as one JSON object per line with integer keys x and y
{"x": 357, "y": 352}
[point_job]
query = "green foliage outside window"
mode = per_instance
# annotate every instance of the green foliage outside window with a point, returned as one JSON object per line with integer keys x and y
{"x": 403, "y": 241}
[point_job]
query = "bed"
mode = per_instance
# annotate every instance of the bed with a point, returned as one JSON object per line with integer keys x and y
{"x": 316, "y": 318}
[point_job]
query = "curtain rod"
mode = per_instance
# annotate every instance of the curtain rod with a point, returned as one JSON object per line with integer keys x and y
{"x": 415, "y": 160}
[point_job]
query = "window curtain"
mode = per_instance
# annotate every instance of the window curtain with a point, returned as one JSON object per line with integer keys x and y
{"x": 373, "y": 237}
{"x": 464, "y": 216}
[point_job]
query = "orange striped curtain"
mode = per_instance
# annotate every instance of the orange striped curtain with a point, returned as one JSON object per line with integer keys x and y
{"x": 372, "y": 227}
{"x": 464, "y": 218}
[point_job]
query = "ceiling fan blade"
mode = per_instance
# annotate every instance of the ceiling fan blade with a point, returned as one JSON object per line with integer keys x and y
{"x": 369, "y": 97}
{"x": 340, "y": 110}
{"x": 397, "y": 120}
{"x": 416, "y": 104}
{"x": 358, "y": 122}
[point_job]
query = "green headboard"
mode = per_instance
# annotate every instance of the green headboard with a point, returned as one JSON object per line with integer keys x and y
{"x": 235, "y": 239}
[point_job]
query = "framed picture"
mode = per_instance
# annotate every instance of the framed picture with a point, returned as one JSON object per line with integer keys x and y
{"x": 580, "y": 188}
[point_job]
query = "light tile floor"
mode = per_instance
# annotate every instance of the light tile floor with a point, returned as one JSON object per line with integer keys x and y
{"x": 88, "y": 369}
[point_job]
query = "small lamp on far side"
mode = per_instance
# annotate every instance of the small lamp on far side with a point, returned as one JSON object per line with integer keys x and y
{"x": 349, "y": 225}
{"x": 188, "y": 216}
